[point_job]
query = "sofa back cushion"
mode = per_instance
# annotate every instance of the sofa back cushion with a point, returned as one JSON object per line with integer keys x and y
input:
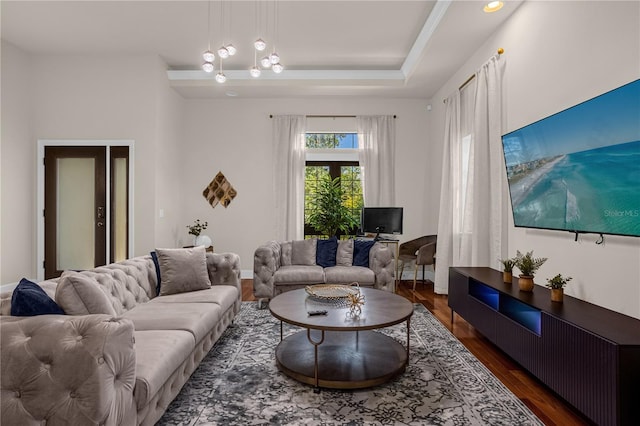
{"x": 285, "y": 253}
{"x": 303, "y": 252}
{"x": 125, "y": 284}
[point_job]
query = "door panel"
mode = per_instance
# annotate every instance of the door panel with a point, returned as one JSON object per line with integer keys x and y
{"x": 75, "y": 202}
{"x": 119, "y": 204}
{"x": 75, "y": 239}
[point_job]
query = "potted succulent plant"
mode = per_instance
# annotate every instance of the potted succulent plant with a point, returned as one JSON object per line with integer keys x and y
{"x": 556, "y": 284}
{"x": 528, "y": 265}
{"x": 507, "y": 269}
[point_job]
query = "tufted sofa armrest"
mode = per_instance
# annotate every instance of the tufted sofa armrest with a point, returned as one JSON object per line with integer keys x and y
{"x": 224, "y": 269}
{"x": 266, "y": 261}
{"x": 74, "y": 370}
{"x": 381, "y": 263}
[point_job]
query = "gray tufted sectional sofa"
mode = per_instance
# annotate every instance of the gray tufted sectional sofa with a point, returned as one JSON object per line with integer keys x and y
{"x": 125, "y": 369}
{"x": 289, "y": 265}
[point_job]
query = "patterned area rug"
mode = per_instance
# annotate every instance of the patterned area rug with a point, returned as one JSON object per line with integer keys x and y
{"x": 238, "y": 383}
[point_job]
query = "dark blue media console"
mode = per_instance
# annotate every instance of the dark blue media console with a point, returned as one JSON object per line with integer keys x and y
{"x": 588, "y": 355}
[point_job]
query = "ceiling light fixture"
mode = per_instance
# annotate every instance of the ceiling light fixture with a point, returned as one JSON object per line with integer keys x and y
{"x": 262, "y": 13}
{"x": 493, "y": 6}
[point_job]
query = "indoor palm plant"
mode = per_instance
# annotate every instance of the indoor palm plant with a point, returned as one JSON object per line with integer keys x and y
{"x": 330, "y": 214}
{"x": 556, "y": 284}
{"x": 528, "y": 265}
{"x": 507, "y": 269}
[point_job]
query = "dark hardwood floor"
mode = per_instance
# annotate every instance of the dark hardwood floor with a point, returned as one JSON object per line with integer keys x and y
{"x": 549, "y": 407}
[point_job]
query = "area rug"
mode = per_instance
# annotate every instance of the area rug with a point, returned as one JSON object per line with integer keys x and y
{"x": 238, "y": 383}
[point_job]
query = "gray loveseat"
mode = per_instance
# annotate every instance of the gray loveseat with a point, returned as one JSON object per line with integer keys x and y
{"x": 105, "y": 369}
{"x": 289, "y": 265}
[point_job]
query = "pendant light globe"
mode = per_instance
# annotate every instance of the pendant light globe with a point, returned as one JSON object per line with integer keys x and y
{"x": 265, "y": 62}
{"x": 208, "y": 56}
{"x": 260, "y": 45}
{"x": 220, "y": 77}
{"x": 255, "y": 72}
{"x": 207, "y": 67}
{"x": 223, "y": 52}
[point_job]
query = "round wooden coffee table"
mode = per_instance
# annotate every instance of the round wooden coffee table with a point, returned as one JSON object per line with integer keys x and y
{"x": 338, "y": 351}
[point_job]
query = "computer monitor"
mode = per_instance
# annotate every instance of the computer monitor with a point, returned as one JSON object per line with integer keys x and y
{"x": 381, "y": 220}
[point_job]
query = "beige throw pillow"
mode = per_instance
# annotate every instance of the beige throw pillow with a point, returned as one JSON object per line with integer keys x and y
{"x": 344, "y": 256}
{"x": 303, "y": 252}
{"x": 79, "y": 294}
{"x": 183, "y": 270}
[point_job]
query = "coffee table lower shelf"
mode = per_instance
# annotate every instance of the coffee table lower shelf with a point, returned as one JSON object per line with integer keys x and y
{"x": 346, "y": 359}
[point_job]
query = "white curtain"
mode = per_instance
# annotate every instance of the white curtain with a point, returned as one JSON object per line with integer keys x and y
{"x": 376, "y": 155}
{"x": 471, "y": 228}
{"x": 289, "y": 147}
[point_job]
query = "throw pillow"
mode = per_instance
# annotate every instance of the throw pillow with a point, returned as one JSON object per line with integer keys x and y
{"x": 344, "y": 256}
{"x": 326, "y": 252}
{"x": 183, "y": 270}
{"x": 80, "y": 294}
{"x": 303, "y": 252}
{"x": 154, "y": 256}
{"x": 361, "y": 250}
{"x": 29, "y": 299}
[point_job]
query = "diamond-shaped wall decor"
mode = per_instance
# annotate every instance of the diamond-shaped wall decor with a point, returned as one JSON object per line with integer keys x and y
{"x": 220, "y": 191}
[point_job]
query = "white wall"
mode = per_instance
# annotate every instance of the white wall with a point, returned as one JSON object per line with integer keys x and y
{"x": 17, "y": 168}
{"x": 85, "y": 97}
{"x": 234, "y": 136}
{"x": 559, "y": 54}
{"x": 169, "y": 164}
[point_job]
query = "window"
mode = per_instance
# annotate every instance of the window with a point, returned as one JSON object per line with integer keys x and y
{"x": 332, "y": 155}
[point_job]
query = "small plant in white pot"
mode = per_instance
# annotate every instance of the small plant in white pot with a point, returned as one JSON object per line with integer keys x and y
{"x": 195, "y": 230}
{"x": 507, "y": 269}
{"x": 556, "y": 284}
{"x": 528, "y": 265}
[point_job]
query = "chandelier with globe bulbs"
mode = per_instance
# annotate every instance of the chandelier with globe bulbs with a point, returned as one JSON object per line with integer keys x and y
{"x": 271, "y": 60}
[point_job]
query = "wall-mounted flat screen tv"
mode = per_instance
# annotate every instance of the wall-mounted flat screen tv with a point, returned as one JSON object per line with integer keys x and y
{"x": 579, "y": 170}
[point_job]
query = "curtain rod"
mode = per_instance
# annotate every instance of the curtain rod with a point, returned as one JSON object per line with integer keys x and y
{"x": 472, "y": 76}
{"x": 330, "y": 116}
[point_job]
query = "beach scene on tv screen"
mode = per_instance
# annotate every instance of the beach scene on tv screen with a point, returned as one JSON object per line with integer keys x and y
{"x": 579, "y": 170}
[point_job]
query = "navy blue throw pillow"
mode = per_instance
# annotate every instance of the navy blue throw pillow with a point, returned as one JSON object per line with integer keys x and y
{"x": 361, "y": 250}
{"x": 29, "y": 299}
{"x": 154, "y": 256}
{"x": 326, "y": 252}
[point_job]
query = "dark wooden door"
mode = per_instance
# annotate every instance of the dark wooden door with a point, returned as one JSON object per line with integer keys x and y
{"x": 75, "y": 208}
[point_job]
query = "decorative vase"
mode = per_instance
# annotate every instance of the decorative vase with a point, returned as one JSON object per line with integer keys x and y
{"x": 557, "y": 294}
{"x": 202, "y": 240}
{"x": 525, "y": 282}
{"x": 507, "y": 276}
